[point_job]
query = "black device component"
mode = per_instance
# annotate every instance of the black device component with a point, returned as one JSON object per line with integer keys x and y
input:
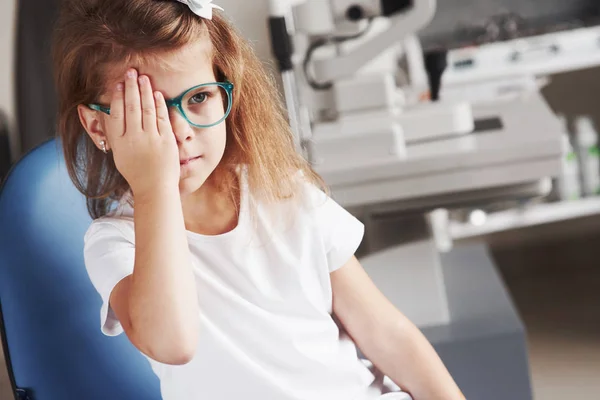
{"x": 480, "y": 126}
{"x": 466, "y": 63}
{"x": 355, "y": 13}
{"x": 391, "y": 7}
{"x": 388, "y": 8}
{"x": 436, "y": 62}
{"x": 283, "y": 47}
{"x": 487, "y": 124}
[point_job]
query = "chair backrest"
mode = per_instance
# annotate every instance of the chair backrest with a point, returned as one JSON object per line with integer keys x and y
{"x": 50, "y": 310}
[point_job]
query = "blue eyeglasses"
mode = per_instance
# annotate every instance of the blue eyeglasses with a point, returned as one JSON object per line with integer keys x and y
{"x": 202, "y": 106}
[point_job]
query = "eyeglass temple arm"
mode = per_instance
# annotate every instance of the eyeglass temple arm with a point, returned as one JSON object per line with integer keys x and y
{"x": 105, "y": 110}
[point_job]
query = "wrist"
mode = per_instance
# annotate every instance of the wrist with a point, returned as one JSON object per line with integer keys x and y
{"x": 156, "y": 192}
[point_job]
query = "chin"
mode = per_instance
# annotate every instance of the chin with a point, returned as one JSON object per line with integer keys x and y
{"x": 190, "y": 185}
{"x": 196, "y": 174}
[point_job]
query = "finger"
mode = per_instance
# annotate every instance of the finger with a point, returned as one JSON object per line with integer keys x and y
{"x": 162, "y": 115}
{"x": 116, "y": 120}
{"x": 133, "y": 110}
{"x": 148, "y": 106}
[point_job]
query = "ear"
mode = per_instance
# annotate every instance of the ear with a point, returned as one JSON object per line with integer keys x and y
{"x": 93, "y": 123}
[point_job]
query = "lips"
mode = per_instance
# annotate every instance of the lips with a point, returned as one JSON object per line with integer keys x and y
{"x": 186, "y": 161}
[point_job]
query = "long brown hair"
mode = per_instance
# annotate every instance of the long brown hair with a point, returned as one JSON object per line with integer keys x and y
{"x": 93, "y": 35}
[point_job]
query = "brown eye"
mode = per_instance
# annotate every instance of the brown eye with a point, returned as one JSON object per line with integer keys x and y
{"x": 198, "y": 98}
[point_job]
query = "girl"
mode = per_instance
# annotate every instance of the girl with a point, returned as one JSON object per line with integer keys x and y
{"x": 213, "y": 247}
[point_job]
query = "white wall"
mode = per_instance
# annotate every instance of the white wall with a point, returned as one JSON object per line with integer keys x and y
{"x": 7, "y": 37}
{"x": 250, "y": 17}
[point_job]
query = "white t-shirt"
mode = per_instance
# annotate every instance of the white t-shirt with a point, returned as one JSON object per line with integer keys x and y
{"x": 264, "y": 299}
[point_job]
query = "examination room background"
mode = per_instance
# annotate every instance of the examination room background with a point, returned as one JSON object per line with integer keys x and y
{"x": 550, "y": 270}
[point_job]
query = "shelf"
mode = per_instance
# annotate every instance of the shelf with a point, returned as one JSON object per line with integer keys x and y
{"x": 539, "y": 55}
{"x": 528, "y": 216}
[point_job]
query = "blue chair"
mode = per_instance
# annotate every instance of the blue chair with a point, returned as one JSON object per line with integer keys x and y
{"x": 49, "y": 309}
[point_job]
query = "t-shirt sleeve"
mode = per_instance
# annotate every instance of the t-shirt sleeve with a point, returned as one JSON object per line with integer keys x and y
{"x": 109, "y": 253}
{"x": 340, "y": 231}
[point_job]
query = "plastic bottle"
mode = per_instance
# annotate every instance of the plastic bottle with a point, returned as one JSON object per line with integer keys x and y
{"x": 568, "y": 183}
{"x": 587, "y": 151}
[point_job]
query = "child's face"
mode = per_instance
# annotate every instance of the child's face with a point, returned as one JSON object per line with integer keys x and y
{"x": 200, "y": 149}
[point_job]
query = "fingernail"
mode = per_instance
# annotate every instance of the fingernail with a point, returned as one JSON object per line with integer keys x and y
{"x": 142, "y": 79}
{"x": 157, "y": 95}
{"x": 131, "y": 73}
{"x": 119, "y": 87}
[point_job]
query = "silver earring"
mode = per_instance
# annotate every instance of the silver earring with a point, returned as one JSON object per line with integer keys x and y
{"x": 103, "y": 146}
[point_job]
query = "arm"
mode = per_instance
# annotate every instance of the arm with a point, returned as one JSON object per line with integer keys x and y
{"x": 390, "y": 341}
{"x": 157, "y": 305}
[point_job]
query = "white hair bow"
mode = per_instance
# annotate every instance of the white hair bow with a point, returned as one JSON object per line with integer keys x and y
{"x": 202, "y": 8}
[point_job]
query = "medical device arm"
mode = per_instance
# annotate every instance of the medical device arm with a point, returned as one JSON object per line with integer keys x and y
{"x": 402, "y": 25}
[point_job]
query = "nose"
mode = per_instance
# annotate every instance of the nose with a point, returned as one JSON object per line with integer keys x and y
{"x": 181, "y": 128}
